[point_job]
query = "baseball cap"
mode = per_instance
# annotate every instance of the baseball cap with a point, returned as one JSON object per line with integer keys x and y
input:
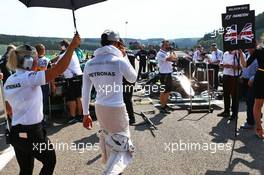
{"x": 113, "y": 36}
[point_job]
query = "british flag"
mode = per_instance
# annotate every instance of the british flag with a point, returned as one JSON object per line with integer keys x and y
{"x": 231, "y": 34}
{"x": 246, "y": 33}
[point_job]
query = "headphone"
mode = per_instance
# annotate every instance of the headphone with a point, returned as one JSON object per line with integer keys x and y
{"x": 27, "y": 61}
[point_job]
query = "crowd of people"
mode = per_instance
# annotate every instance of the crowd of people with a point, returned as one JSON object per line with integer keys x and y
{"x": 29, "y": 79}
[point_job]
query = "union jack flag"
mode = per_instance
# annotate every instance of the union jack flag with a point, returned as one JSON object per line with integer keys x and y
{"x": 231, "y": 34}
{"x": 246, "y": 33}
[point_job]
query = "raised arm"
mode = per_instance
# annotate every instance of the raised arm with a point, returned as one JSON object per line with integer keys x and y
{"x": 62, "y": 65}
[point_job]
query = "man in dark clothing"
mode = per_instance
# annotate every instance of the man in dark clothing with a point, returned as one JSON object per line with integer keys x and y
{"x": 142, "y": 54}
{"x": 6, "y": 72}
{"x": 128, "y": 91}
{"x": 151, "y": 56}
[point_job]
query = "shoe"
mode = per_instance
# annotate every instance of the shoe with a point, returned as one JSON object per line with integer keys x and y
{"x": 247, "y": 126}
{"x": 169, "y": 108}
{"x": 224, "y": 114}
{"x": 71, "y": 120}
{"x": 164, "y": 110}
{"x": 132, "y": 122}
{"x": 259, "y": 133}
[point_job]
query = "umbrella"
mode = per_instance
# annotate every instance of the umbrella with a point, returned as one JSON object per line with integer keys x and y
{"x": 64, "y": 4}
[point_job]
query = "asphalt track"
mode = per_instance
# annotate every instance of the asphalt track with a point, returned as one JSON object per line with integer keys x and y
{"x": 162, "y": 154}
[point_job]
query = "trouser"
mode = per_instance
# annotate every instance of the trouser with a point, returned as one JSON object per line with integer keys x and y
{"x": 127, "y": 95}
{"x": 115, "y": 142}
{"x": 142, "y": 67}
{"x": 243, "y": 88}
{"x": 230, "y": 86}
{"x": 45, "y": 93}
{"x": 250, "y": 104}
{"x": 151, "y": 67}
{"x": 216, "y": 70}
{"x": 31, "y": 142}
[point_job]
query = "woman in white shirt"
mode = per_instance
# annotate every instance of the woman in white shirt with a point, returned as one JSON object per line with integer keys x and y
{"x": 24, "y": 103}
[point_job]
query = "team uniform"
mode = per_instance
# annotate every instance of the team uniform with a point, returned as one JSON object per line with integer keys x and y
{"x": 43, "y": 63}
{"x": 128, "y": 89}
{"x": 142, "y": 54}
{"x": 217, "y": 57}
{"x": 151, "y": 56}
{"x": 230, "y": 82}
{"x": 23, "y": 92}
{"x": 3, "y": 68}
{"x": 197, "y": 57}
{"x": 165, "y": 70}
{"x": 106, "y": 71}
{"x": 73, "y": 90}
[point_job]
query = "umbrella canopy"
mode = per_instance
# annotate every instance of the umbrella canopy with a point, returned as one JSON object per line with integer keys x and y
{"x": 64, "y": 4}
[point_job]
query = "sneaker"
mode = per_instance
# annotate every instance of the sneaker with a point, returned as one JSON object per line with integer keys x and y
{"x": 247, "y": 126}
{"x": 224, "y": 114}
{"x": 164, "y": 110}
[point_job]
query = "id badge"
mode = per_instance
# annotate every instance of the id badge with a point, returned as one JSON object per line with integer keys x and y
{"x": 23, "y": 135}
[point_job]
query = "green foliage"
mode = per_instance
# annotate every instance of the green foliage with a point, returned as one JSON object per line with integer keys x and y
{"x": 2, "y": 49}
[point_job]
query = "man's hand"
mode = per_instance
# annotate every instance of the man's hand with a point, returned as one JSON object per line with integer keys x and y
{"x": 172, "y": 58}
{"x": 76, "y": 41}
{"x": 87, "y": 122}
{"x": 227, "y": 65}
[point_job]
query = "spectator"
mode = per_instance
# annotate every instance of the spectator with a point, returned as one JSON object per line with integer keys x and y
{"x": 248, "y": 78}
{"x": 258, "y": 87}
{"x": 73, "y": 89}
{"x": 151, "y": 56}
{"x": 6, "y": 72}
{"x": 214, "y": 62}
{"x": 231, "y": 74}
{"x": 142, "y": 54}
{"x": 165, "y": 61}
{"x": 197, "y": 55}
{"x": 42, "y": 65}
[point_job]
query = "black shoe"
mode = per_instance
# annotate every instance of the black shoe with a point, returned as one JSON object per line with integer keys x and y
{"x": 169, "y": 108}
{"x": 224, "y": 114}
{"x": 70, "y": 120}
{"x": 247, "y": 126}
{"x": 132, "y": 122}
{"x": 164, "y": 110}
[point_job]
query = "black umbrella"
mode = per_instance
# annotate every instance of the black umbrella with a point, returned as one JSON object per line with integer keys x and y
{"x": 64, "y": 4}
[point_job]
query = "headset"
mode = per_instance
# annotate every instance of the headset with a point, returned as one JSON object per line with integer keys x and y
{"x": 27, "y": 61}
